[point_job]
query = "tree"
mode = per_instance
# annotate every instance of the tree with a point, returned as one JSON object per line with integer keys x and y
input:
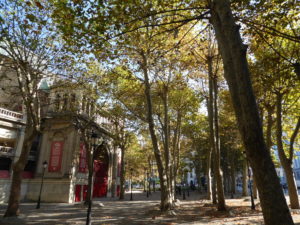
{"x": 278, "y": 86}
{"x": 122, "y": 138}
{"x": 32, "y": 47}
{"x": 128, "y": 17}
{"x": 233, "y": 51}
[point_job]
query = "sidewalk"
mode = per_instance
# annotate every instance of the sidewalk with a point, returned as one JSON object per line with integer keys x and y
{"x": 113, "y": 211}
{"x": 141, "y": 210}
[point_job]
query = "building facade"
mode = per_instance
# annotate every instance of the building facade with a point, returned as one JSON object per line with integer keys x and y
{"x": 60, "y": 145}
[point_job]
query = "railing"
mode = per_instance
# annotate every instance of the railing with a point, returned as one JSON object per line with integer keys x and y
{"x": 6, "y": 150}
{"x": 11, "y": 115}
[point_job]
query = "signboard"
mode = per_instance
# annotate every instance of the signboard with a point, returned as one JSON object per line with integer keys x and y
{"x": 82, "y": 159}
{"x": 6, "y": 151}
{"x": 56, "y": 156}
{"x": 9, "y": 134}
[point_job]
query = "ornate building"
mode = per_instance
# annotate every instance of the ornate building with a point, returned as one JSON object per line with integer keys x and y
{"x": 60, "y": 145}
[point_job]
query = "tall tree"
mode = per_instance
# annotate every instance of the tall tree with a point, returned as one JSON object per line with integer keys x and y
{"x": 233, "y": 51}
{"x": 29, "y": 41}
{"x": 126, "y": 17}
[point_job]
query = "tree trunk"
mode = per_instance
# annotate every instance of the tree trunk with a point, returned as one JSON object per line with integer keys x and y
{"x": 217, "y": 161}
{"x": 210, "y": 112}
{"x": 270, "y": 111}
{"x": 167, "y": 153}
{"x": 233, "y": 182}
{"x": 208, "y": 176}
{"x": 214, "y": 190}
{"x": 233, "y": 51}
{"x": 122, "y": 175}
{"x": 292, "y": 187}
{"x": 166, "y": 198}
{"x": 175, "y": 152}
{"x": 254, "y": 189}
{"x": 208, "y": 166}
{"x": 285, "y": 161}
{"x": 245, "y": 178}
{"x": 15, "y": 189}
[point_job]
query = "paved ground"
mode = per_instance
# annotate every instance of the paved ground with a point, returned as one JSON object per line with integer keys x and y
{"x": 142, "y": 210}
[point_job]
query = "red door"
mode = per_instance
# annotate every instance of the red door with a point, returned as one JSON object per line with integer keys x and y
{"x": 77, "y": 193}
{"x": 85, "y": 189}
{"x": 100, "y": 179}
{"x": 118, "y": 190}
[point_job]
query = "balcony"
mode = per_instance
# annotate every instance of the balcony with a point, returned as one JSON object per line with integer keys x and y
{"x": 11, "y": 115}
{"x": 6, "y": 151}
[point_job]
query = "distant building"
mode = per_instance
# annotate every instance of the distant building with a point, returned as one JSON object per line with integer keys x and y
{"x": 190, "y": 176}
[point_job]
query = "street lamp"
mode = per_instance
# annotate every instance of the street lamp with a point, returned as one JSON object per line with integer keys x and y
{"x": 94, "y": 136}
{"x": 183, "y": 191}
{"x": 148, "y": 186}
{"x": 153, "y": 175}
{"x": 232, "y": 180}
{"x": 145, "y": 179}
{"x": 131, "y": 171}
{"x": 45, "y": 164}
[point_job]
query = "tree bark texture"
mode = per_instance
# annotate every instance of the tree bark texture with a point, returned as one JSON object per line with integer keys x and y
{"x": 214, "y": 135}
{"x": 214, "y": 190}
{"x": 285, "y": 161}
{"x": 245, "y": 179}
{"x": 167, "y": 152}
{"x": 175, "y": 152}
{"x": 210, "y": 113}
{"x": 254, "y": 189}
{"x": 233, "y": 52}
{"x": 122, "y": 175}
{"x": 270, "y": 121}
{"x": 208, "y": 175}
{"x": 15, "y": 189}
{"x": 208, "y": 165}
{"x": 233, "y": 182}
{"x": 217, "y": 163}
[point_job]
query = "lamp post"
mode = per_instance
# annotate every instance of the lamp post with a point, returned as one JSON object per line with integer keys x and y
{"x": 94, "y": 136}
{"x": 45, "y": 164}
{"x": 131, "y": 171}
{"x": 153, "y": 176}
{"x": 187, "y": 182}
{"x": 148, "y": 186}
{"x": 183, "y": 191}
{"x": 144, "y": 179}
